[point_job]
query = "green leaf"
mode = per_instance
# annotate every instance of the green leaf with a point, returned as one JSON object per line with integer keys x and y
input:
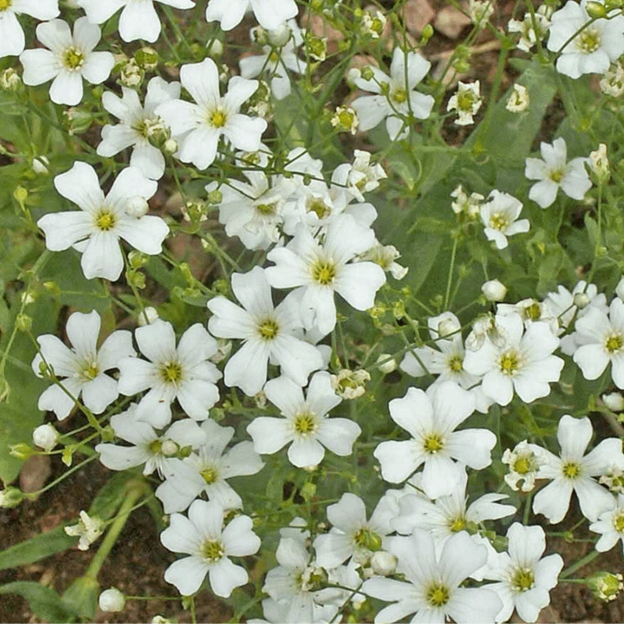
{"x": 111, "y": 495}
{"x": 36, "y": 548}
{"x": 44, "y": 602}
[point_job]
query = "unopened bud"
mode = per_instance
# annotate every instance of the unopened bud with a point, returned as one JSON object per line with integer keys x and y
{"x": 170, "y": 146}
{"x": 148, "y": 316}
{"x": 383, "y": 563}
{"x": 386, "y": 363}
{"x": 581, "y": 300}
{"x": 147, "y": 58}
{"x": 21, "y": 450}
{"x": 494, "y": 290}
{"x": 595, "y": 10}
{"x": 112, "y": 600}
{"x": 136, "y": 206}
{"x": 10, "y": 497}
{"x": 46, "y": 437}
{"x": 9, "y": 79}
{"x": 614, "y": 401}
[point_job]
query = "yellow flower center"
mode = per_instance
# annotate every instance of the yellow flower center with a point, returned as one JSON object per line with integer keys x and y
{"x": 459, "y": 524}
{"x": 589, "y": 40}
{"x": 365, "y": 538}
{"x": 155, "y": 447}
{"x": 399, "y": 96}
{"x": 5, "y": 4}
{"x": 509, "y": 363}
{"x": 533, "y": 312}
{"x": 433, "y": 443}
{"x": 105, "y": 220}
{"x": 266, "y": 209}
{"x": 324, "y": 272}
{"x": 171, "y": 372}
{"x": 217, "y": 118}
{"x": 210, "y": 475}
{"x": 523, "y": 464}
{"x": 523, "y": 579}
{"x": 73, "y": 59}
{"x": 318, "y": 207}
{"x": 618, "y": 522}
{"x": 571, "y": 470}
{"x": 212, "y": 550}
{"x": 614, "y": 343}
{"x": 456, "y": 363}
{"x": 498, "y": 221}
{"x": 437, "y": 595}
{"x": 268, "y": 329}
{"x": 141, "y": 127}
{"x": 305, "y": 424}
{"x": 90, "y": 371}
{"x": 556, "y": 176}
{"x": 465, "y": 101}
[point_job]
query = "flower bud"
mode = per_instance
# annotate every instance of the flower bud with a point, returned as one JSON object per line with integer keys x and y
{"x": 147, "y": 58}
{"x": 168, "y": 448}
{"x": 40, "y": 165}
{"x": 581, "y": 300}
{"x": 170, "y": 146}
{"x": 21, "y": 450}
{"x": 136, "y": 206}
{"x": 614, "y": 401}
{"x": 494, "y": 290}
{"x": 383, "y": 563}
{"x": 46, "y": 437}
{"x": 10, "y": 497}
{"x": 131, "y": 74}
{"x": 595, "y": 10}
{"x": 112, "y": 600}
{"x": 386, "y": 363}
{"x": 148, "y": 316}
{"x": 9, "y": 80}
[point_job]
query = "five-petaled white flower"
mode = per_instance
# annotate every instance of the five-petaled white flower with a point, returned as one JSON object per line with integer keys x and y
{"x": 183, "y": 372}
{"x": 467, "y": 101}
{"x": 82, "y": 369}
{"x": 395, "y": 99}
{"x": 12, "y": 39}
{"x": 611, "y": 526}
{"x": 431, "y": 418}
{"x": 499, "y": 214}
{"x": 69, "y": 59}
{"x": 138, "y": 20}
{"x": 586, "y": 46}
{"x": 573, "y": 471}
{"x": 103, "y": 220}
{"x": 198, "y": 127}
{"x": 210, "y": 545}
{"x": 268, "y": 333}
{"x": 305, "y": 424}
{"x": 432, "y": 590}
{"x": 524, "y": 577}
{"x": 137, "y": 122}
{"x": 552, "y": 171}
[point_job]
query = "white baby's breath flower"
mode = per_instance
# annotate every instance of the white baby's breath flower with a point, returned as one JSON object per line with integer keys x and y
{"x": 88, "y": 529}
{"x": 270, "y": 15}
{"x": 12, "y": 39}
{"x": 499, "y": 215}
{"x": 553, "y": 171}
{"x": 69, "y": 59}
{"x": 519, "y": 100}
{"x": 532, "y": 28}
{"x": 470, "y": 206}
{"x": 467, "y": 101}
{"x": 524, "y": 464}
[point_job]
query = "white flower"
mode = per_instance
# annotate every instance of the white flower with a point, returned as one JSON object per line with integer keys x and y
{"x": 183, "y": 372}
{"x": 274, "y": 62}
{"x": 46, "y": 437}
{"x": 431, "y": 418}
{"x": 96, "y": 229}
{"x": 532, "y": 28}
{"x": 137, "y": 122}
{"x": 464, "y": 205}
{"x": 210, "y": 547}
{"x": 593, "y": 49}
{"x": 518, "y": 100}
{"x": 138, "y": 20}
{"x": 598, "y": 163}
{"x": 395, "y": 99}
{"x": 611, "y": 526}
{"x": 450, "y": 514}
{"x": 601, "y": 340}
{"x": 432, "y": 590}
{"x": 88, "y": 530}
{"x": 319, "y": 269}
{"x": 68, "y": 60}
{"x": 614, "y": 401}
{"x": 524, "y": 463}
{"x": 359, "y": 177}
{"x": 525, "y": 578}
{"x": 305, "y": 426}
{"x": 612, "y": 83}
{"x": 573, "y": 471}
{"x": 499, "y": 214}
{"x": 207, "y": 471}
{"x": 82, "y": 369}
{"x": 271, "y": 14}
{"x": 352, "y": 535}
{"x": 268, "y": 332}
{"x": 467, "y": 101}
{"x": 198, "y": 127}
{"x": 12, "y": 40}
{"x": 552, "y": 172}
{"x": 519, "y": 361}
{"x": 156, "y": 451}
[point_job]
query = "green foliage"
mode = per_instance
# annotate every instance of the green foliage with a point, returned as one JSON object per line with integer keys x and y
{"x": 36, "y": 548}
{"x": 44, "y": 602}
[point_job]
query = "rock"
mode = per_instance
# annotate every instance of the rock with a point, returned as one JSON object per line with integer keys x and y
{"x": 417, "y": 14}
{"x": 450, "y": 22}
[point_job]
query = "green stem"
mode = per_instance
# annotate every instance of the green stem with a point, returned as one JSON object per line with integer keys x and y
{"x": 579, "y": 564}
{"x": 135, "y": 490}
